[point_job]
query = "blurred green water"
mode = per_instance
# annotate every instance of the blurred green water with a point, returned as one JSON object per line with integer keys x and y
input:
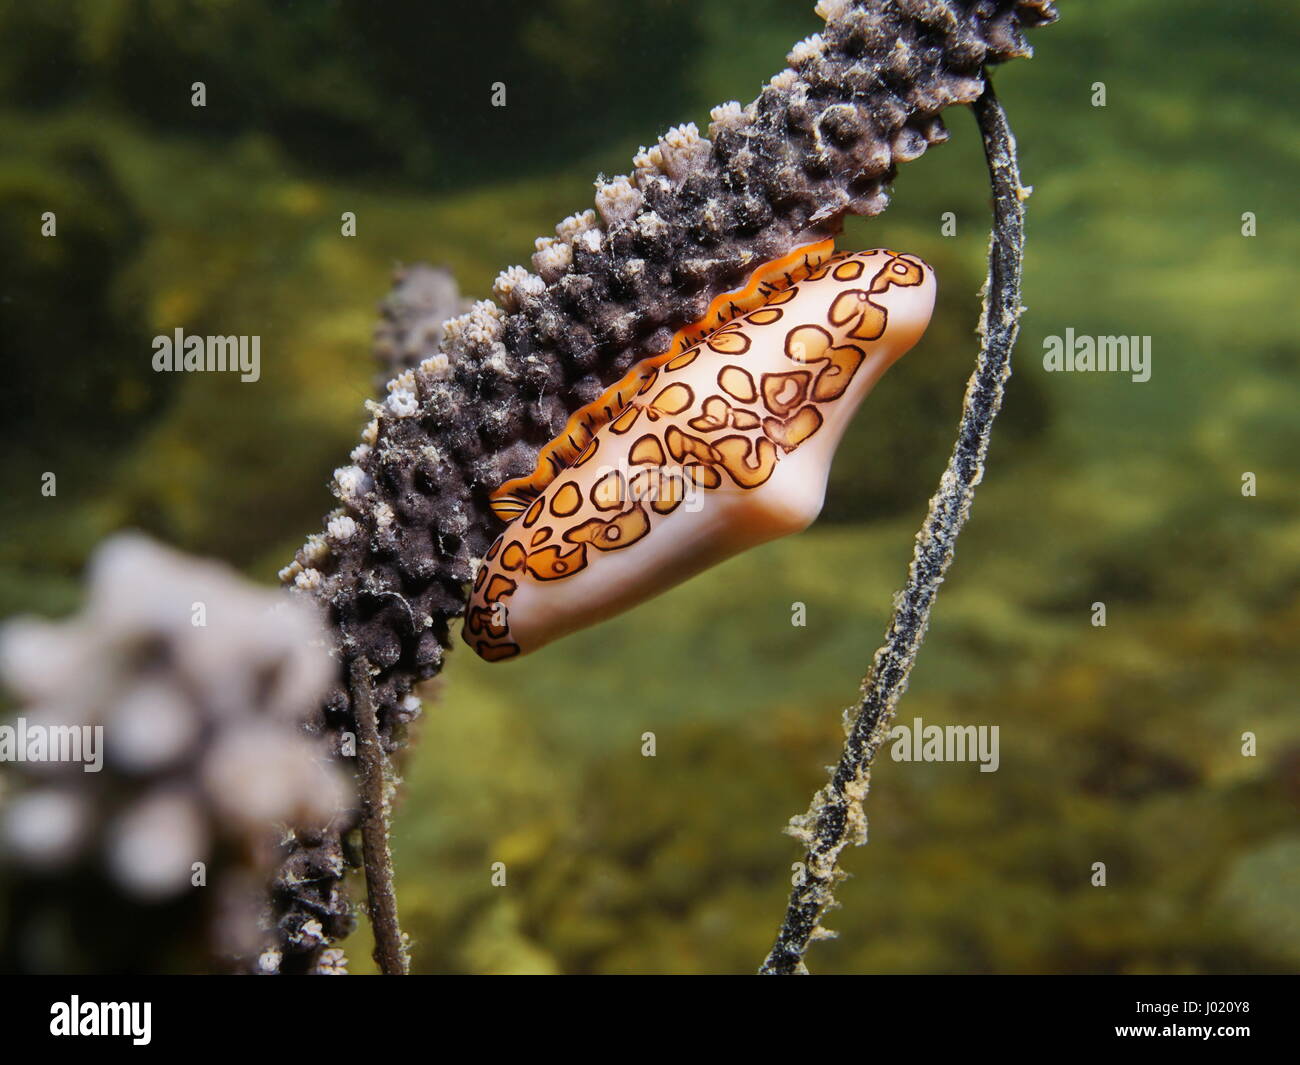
{"x": 1119, "y": 744}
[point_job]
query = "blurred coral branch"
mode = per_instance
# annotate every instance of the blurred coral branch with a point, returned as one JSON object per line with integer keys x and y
{"x": 423, "y": 299}
{"x": 836, "y": 818}
{"x": 178, "y": 699}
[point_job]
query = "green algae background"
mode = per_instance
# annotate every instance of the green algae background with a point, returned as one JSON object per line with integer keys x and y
{"x": 1120, "y": 744}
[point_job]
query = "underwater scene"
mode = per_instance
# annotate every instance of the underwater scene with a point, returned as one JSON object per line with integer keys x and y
{"x": 1094, "y": 765}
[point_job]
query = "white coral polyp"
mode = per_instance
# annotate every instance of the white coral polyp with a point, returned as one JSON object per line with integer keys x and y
{"x": 726, "y": 116}
{"x": 311, "y": 934}
{"x": 576, "y": 224}
{"x": 832, "y": 9}
{"x": 808, "y": 48}
{"x": 617, "y": 200}
{"x": 552, "y": 258}
{"x": 680, "y": 149}
{"x": 482, "y": 324}
{"x": 684, "y": 136}
{"x": 531, "y": 287}
{"x": 352, "y": 484}
{"x": 315, "y": 550}
{"x": 648, "y": 159}
{"x": 403, "y": 403}
{"x": 341, "y": 528}
{"x": 503, "y": 288}
{"x": 437, "y": 367}
{"x": 332, "y": 962}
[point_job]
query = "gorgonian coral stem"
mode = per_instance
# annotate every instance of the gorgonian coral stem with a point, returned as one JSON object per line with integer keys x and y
{"x": 376, "y": 787}
{"x": 835, "y": 819}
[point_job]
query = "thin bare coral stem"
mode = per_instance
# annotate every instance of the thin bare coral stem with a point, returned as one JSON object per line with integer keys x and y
{"x": 835, "y": 818}
{"x": 376, "y": 787}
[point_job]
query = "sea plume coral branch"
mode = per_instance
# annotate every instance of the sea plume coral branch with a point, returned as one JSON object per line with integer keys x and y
{"x": 835, "y": 818}
{"x": 821, "y": 141}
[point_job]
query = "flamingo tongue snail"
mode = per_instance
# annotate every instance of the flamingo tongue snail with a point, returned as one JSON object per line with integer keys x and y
{"x": 719, "y": 444}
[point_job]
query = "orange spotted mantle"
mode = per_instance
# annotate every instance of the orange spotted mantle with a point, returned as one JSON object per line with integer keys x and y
{"x": 721, "y": 443}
